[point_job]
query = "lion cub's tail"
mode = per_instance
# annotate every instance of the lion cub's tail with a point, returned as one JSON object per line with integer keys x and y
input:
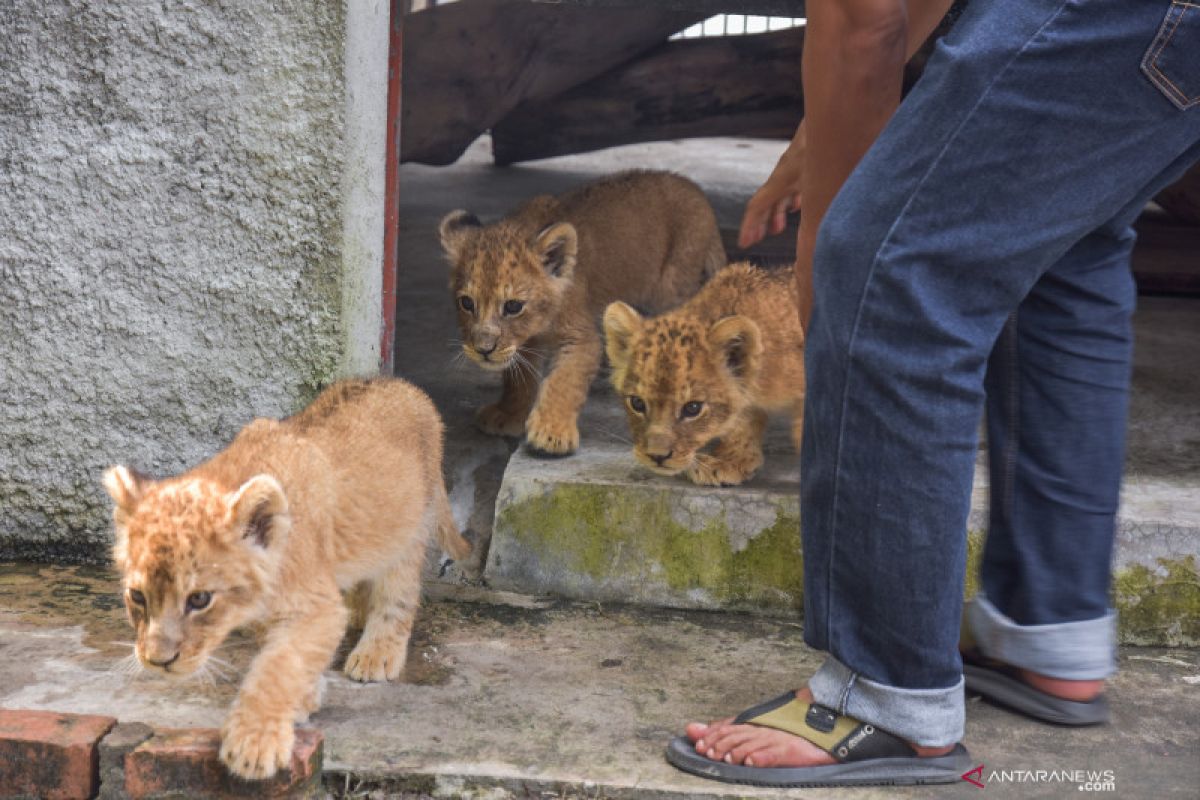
{"x": 447, "y": 531}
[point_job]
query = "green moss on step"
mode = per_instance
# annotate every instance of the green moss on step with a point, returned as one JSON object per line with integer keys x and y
{"x": 598, "y": 535}
{"x": 586, "y": 539}
{"x": 974, "y": 559}
{"x": 1159, "y": 606}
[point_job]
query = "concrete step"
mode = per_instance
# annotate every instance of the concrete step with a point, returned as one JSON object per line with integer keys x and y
{"x": 597, "y": 526}
{"x": 507, "y": 698}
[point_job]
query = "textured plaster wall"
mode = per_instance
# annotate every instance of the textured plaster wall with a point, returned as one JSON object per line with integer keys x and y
{"x": 171, "y": 240}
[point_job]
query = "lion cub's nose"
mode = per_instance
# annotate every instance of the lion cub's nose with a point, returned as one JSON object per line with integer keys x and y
{"x": 165, "y": 664}
{"x": 660, "y": 459}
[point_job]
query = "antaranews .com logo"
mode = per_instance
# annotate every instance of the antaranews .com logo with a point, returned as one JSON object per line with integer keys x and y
{"x": 1087, "y": 780}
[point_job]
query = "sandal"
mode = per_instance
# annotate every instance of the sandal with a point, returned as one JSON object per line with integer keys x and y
{"x": 1002, "y": 683}
{"x": 865, "y": 755}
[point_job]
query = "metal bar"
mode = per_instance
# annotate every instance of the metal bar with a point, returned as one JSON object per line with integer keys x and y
{"x": 391, "y": 188}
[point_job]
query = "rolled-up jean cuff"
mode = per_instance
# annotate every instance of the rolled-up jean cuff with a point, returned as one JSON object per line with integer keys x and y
{"x": 926, "y": 717}
{"x": 1073, "y": 651}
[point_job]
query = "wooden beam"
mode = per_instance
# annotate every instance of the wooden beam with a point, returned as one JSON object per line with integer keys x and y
{"x": 721, "y": 86}
{"x": 772, "y": 8}
{"x": 469, "y": 63}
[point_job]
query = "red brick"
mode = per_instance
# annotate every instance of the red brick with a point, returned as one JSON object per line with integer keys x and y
{"x": 185, "y": 761}
{"x": 50, "y": 755}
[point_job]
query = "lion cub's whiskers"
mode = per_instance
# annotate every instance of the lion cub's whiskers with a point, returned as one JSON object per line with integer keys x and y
{"x": 615, "y": 437}
{"x": 221, "y": 668}
{"x": 523, "y": 369}
{"x": 129, "y": 666}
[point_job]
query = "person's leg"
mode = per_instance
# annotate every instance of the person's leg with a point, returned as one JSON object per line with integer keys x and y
{"x": 1057, "y": 401}
{"x": 1031, "y": 128}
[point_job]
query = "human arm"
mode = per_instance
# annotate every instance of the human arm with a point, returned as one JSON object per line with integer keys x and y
{"x": 768, "y": 208}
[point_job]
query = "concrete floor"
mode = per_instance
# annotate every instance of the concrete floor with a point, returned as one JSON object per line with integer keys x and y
{"x": 510, "y": 696}
{"x": 507, "y": 697}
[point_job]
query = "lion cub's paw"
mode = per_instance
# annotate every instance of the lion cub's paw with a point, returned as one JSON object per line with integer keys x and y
{"x": 311, "y": 703}
{"x": 256, "y": 748}
{"x": 494, "y": 421}
{"x": 380, "y": 659}
{"x": 707, "y": 470}
{"x": 549, "y": 437}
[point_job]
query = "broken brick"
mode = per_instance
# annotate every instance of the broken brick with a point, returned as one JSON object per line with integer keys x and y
{"x": 50, "y": 755}
{"x": 177, "y": 762}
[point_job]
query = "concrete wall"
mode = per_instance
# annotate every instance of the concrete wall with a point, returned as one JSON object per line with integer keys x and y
{"x": 187, "y": 239}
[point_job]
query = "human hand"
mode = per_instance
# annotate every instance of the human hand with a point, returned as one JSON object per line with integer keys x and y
{"x": 768, "y": 209}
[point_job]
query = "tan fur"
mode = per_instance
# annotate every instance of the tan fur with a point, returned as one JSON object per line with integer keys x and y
{"x": 648, "y": 238}
{"x": 275, "y": 527}
{"x": 736, "y": 348}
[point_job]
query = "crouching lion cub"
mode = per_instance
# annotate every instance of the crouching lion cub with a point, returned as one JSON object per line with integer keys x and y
{"x": 272, "y": 530}
{"x": 531, "y": 288}
{"x": 711, "y": 369}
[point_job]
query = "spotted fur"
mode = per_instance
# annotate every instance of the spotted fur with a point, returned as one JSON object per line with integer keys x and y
{"x": 648, "y": 238}
{"x": 709, "y": 372}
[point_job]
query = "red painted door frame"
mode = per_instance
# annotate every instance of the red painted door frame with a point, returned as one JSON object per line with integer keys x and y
{"x": 391, "y": 198}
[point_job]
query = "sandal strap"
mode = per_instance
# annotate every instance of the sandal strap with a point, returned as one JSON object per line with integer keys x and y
{"x": 843, "y": 737}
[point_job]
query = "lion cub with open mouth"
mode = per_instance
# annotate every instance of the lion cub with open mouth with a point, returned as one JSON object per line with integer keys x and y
{"x": 530, "y": 289}
{"x": 272, "y": 530}
{"x": 711, "y": 370}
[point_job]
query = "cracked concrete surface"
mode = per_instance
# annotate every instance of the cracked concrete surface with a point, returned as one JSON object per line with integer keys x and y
{"x": 515, "y": 698}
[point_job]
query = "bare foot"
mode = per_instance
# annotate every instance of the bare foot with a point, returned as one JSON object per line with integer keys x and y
{"x": 1079, "y": 691}
{"x": 756, "y": 746}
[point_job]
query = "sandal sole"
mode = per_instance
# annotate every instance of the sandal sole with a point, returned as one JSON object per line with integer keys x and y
{"x": 872, "y": 772}
{"x": 1020, "y": 696}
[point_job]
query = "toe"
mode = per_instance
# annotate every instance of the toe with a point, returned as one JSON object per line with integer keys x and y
{"x": 730, "y": 738}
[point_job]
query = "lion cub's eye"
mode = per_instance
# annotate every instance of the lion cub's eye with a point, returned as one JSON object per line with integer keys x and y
{"x": 198, "y": 601}
{"x": 137, "y": 597}
{"x": 467, "y": 304}
{"x": 691, "y": 409}
{"x": 637, "y": 404}
{"x": 513, "y": 307}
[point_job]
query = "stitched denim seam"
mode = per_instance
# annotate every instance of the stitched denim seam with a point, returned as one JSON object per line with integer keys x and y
{"x": 837, "y": 474}
{"x": 1150, "y": 61}
{"x": 1166, "y": 41}
{"x": 845, "y": 698}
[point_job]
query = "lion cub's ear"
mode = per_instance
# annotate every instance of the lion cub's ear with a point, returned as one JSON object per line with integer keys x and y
{"x": 621, "y": 323}
{"x": 738, "y": 341}
{"x": 558, "y": 245}
{"x": 455, "y": 228}
{"x": 259, "y": 509}
{"x": 126, "y": 487}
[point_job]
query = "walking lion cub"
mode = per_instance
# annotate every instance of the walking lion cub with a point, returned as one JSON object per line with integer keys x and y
{"x": 531, "y": 288}
{"x": 711, "y": 370}
{"x": 272, "y": 530}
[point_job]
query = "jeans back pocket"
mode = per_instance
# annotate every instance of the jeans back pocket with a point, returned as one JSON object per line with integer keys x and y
{"x": 1173, "y": 61}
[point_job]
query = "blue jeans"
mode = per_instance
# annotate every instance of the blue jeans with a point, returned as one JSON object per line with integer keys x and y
{"x": 979, "y": 254}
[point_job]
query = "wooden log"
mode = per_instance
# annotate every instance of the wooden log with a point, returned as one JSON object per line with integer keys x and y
{"x": 468, "y": 64}
{"x": 723, "y": 86}
{"x": 1182, "y": 199}
{"x": 1164, "y": 260}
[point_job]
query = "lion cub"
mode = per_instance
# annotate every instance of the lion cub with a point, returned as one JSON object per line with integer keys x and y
{"x": 531, "y": 288}
{"x": 711, "y": 369}
{"x": 273, "y": 529}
